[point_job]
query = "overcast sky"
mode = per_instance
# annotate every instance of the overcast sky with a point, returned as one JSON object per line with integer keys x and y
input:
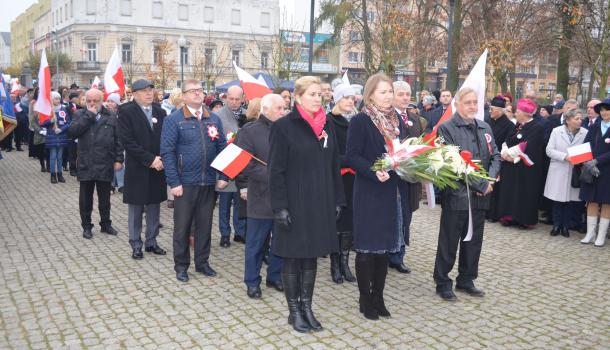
{"x": 10, "y": 10}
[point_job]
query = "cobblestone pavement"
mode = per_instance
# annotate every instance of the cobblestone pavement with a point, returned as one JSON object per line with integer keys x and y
{"x": 60, "y": 291}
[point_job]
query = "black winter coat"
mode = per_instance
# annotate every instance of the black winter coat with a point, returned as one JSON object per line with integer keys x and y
{"x": 98, "y": 146}
{"x": 345, "y": 222}
{"x": 143, "y": 184}
{"x": 304, "y": 178}
{"x": 599, "y": 190}
{"x": 501, "y": 127}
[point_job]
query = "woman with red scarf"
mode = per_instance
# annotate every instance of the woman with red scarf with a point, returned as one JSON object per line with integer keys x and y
{"x": 376, "y": 195}
{"x": 306, "y": 197}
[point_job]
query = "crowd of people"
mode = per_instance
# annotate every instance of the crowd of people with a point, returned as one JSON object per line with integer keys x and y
{"x": 309, "y": 191}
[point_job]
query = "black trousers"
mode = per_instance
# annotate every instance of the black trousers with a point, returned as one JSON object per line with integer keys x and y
{"x": 454, "y": 227}
{"x": 196, "y": 205}
{"x": 69, "y": 158}
{"x": 21, "y": 134}
{"x": 85, "y": 202}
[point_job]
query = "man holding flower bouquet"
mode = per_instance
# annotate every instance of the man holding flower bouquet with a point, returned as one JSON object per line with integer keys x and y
{"x": 464, "y": 208}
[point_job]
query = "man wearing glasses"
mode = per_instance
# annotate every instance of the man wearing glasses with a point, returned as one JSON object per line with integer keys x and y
{"x": 192, "y": 137}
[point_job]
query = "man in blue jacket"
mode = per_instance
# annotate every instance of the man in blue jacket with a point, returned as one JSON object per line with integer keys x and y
{"x": 191, "y": 138}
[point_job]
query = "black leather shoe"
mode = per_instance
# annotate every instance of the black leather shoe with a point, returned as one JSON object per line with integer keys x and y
{"x": 447, "y": 295}
{"x": 275, "y": 285}
{"x": 239, "y": 239}
{"x": 109, "y": 230}
{"x": 206, "y": 270}
{"x": 137, "y": 254}
{"x": 554, "y": 231}
{"x": 565, "y": 232}
{"x": 254, "y": 292}
{"x": 72, "y": 172}
{"x": 402, "y": 268}
{"x": 155, "y": 249}
{"x": 225, "y": 242}
{"x": 87, "y": 233}
{"x": 182, "y": 276}
{"x": 472, "y": 291}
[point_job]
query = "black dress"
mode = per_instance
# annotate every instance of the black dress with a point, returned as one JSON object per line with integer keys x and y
{"x": 501, "y": 128}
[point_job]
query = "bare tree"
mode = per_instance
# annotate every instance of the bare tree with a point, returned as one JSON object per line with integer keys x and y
{"x": 209, "y": 61}
{"x": 163, "y": 68}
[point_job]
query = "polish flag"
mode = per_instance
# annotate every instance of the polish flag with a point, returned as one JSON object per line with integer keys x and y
{"x": 113, "y": 77}
{"x": 476, "y": 81}
{"x": 96, "y": 83}
{"x": 580, "y": 154}
{"x": 252, "y": 87}
{"x": 232, "y": 160}
{"x": 43, "y": 104}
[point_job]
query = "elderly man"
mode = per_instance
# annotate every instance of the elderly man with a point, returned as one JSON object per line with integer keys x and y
{"x": 402, "y": 99}
{"x": 430, "y": 112}
{"x": 140, "y": 124}
{"x": 254, "y": 138}
{"x": 556, "y": 119}
{"x": 460, "y": 206}
{"x": 232, "y": 117}
{"x": 190, "y": 135}
{"x": 99, "y": 155}
{"x": 592, "y": 116}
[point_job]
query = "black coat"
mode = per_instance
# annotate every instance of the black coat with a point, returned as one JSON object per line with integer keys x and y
{"x": 304, "y": 178}
{"x": 599, "y": 190}
{"x": 501, "y": 127}
{"x": 143, "y": 184}
{"x": 521, "y": 185}
{"x": 345, "y": 222}
{"x": 375, "y": 202}
{"x": 98, "y": 146}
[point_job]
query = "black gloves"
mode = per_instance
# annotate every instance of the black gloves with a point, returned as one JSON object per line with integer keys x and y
{"x": 591, "y": 167}
{"x": 282, "y": 217}
{"x": 338, "y": 211}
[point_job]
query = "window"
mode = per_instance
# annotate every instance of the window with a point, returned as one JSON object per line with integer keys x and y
{"x": 322, "y": 55}
{"x": 208, "y": 14}
{"x": 370, "y": 16}
{"x": 208, "y": 54}
{"x": 264, "y": 59}
{"x": 157, "y": 54}
{"x": 541, "y": 87}
{"x": 235, "y": 17}
{"x": 125, "y": 7}
{"x": 71, "y": 8}
{"x": 354, "y": 36}
{"x": 352, "y": 57}
{"x": 183, "y": 12}
{"x": 184, "y": 57}
{"x": 61, "y": 14}
{"x": 235, "y": 56}
{"x": 157, "y": 9}
{"x": 92, "y": 52}
{"x": 91, "y": 7}
{"x": 265, "y": 19}
{"x": 66, "y": 12}
{"x": 126, "y": 53}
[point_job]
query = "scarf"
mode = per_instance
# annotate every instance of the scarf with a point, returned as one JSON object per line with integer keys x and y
{"x": 385, "y": 120}
{"x": 317, "y": 121}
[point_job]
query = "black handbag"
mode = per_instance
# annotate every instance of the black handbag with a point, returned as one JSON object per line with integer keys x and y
{"x": 585, "y": 176}
{"x": 576, "y": 172}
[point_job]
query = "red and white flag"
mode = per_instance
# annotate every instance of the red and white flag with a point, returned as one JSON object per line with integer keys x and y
{"x": 43, "y": 104}
{"x": 580, "y": 154}
{"x": 113, "y": 77}
{"x": 232, "y": 160}
{"x": 475, "y": 80}
{"x": 96, "y": 83}
{"x": 252, "y": 87}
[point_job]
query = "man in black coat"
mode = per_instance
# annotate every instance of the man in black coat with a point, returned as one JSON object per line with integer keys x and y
{"x": 99, "y": 155}
{"x": 469, "y": 133}
{"x": 140, "y": 125}
{"x": 592, "y": 116}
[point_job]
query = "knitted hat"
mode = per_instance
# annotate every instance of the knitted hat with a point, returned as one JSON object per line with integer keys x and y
{"x": 341, "y": 91}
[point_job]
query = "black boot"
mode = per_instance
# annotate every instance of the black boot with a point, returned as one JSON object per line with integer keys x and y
{"x": 60, "y": 178}
{"x": 335, "y": 273}
{"x": 53, "y": 178}
{"x": 308, "y": 282}
{"x": 555, "y": 231}
{"x": 565, "y": 232}
{"x": 364, "y": 275}
{"x": 292, "y": 290}
{"x": 381, "y": 271}
{"x": 346, "y": 244}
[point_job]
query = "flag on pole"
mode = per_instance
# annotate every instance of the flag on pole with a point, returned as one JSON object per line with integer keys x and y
{"x": 113, "y": 77}
{"x": 232, "y": 160}
{"x": 43, "y": 104}
{"x": 345, "y": 79}
{"x": 476, "y": 81}
{"x": 252, "y": 87}
{"x": 580, "y": 154}
{"x": 96, "y": 83}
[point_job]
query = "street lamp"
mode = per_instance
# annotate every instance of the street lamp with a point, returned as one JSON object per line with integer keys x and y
{"x": 182, "y": 45}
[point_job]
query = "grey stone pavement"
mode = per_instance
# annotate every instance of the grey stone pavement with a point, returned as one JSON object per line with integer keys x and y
{"x": 60, "y": 291}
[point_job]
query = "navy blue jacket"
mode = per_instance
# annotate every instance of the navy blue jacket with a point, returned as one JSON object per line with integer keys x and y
{"x": 63, "y": 121}
{"x": 189, "y": 146}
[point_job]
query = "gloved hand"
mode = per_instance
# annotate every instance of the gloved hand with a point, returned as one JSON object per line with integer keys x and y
{"x": 282, "y": 217}
{"x": 57, "y": 130}
{"x": 338, "y": 212}
{"x": 591, "y": 167}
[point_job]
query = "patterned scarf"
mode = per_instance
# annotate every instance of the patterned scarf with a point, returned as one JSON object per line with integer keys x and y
{"x": 385, "y": 120}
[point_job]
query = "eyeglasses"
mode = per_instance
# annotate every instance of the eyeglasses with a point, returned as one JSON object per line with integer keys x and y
{"x": 199, "y": 91}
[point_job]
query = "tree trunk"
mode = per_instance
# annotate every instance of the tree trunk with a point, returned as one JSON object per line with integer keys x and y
{"x": 369, "y": 65}
{"x": 512, "y": 73}
{"x": 563, "y": 60}
{"x": 591, "y": 83}
{"x": 454, "y": 74}
{"x": 605, "y": 57}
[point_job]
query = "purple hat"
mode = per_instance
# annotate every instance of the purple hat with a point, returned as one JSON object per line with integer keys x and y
{"x": 526, "y": 105}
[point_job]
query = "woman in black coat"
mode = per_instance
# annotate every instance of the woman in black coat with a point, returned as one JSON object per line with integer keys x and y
{"x": 343, "y": 95}
{"x": 597, "y": 193}
{"x": 375, "y": 193}
{"x": 306, "y": 195}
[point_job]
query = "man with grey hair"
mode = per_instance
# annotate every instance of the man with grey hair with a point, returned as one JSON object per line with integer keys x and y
{"x": 254, "y": 139}
{"x": 592, "y": 116}
{"x": 430, "y": 112}
{"x": 233, "y": 117}
{"x": 557, "y": 119}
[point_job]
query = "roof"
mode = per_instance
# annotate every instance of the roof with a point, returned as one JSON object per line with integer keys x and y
{"x": 6, "y": 36}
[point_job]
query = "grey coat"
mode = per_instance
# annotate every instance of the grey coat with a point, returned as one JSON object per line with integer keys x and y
{"x": 478, "y": 139}
{"x": 558, "y": 181}
{"x": 229, "y": 123}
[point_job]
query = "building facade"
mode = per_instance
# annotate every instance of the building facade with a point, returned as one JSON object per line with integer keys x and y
{"x": 5, "y": 49}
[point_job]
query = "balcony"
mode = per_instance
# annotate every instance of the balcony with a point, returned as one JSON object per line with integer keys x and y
{"x": 88, "y": 66}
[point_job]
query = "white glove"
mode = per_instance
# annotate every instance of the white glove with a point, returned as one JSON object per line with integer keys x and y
{"x": 57, "y": 130}
{"x": 43, "y": 132}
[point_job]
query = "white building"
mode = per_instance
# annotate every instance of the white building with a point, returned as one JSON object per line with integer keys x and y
{"x": 5, "y": 49}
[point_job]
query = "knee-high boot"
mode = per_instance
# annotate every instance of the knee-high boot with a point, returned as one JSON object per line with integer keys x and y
{"x": 308, "y": 283}
{"x": 381, "y": 271}
{"x": 292, "y": 289}
{"x": 346, "y": 244}
{"x": 364, "y": 275}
